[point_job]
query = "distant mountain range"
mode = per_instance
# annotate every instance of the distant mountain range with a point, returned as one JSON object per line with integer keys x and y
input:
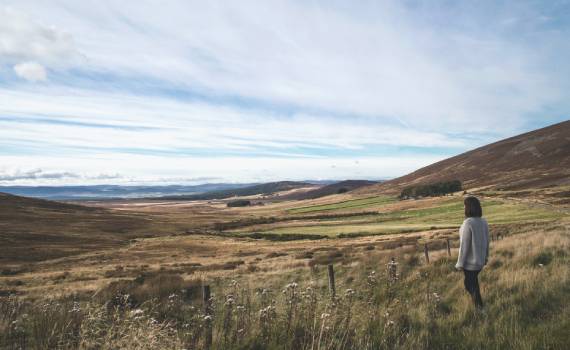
{"x": 334, "y": 188}
{"x": 112, "y": 191}
{"x": 260, "y": 189}
{"x": 185, "y": 192}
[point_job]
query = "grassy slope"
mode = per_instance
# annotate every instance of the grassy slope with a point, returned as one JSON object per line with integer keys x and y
{"x": 35, "y": 229}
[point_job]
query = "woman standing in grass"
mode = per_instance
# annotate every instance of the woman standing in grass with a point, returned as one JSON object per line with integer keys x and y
{"x": 473, "y": 247}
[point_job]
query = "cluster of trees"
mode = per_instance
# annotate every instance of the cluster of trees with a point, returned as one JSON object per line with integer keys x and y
{"x": 239, "y": 203}
{"x": 430, "y": 190}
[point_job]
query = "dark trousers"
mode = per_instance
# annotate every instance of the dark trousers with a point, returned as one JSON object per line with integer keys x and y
{"x": 472, "y": 286}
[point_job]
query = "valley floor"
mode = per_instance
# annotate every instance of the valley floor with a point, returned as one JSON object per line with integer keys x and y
{"x": 279, "y": 277}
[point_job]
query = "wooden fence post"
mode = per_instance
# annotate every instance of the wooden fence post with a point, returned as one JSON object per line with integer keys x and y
{"x": 448, "y": 248}
{"x": 206, "y": 298}
{"x": 331, "y": 280}
{"x": 426, "y": 252}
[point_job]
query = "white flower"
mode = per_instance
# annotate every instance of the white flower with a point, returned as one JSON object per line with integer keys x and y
{"x": 291, "y": 285}
{"x": 229, "y": 300}
{"x": 76, "y": 307}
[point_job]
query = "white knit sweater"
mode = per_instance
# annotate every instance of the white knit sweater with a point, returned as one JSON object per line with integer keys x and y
{"x": 473, "y": 244}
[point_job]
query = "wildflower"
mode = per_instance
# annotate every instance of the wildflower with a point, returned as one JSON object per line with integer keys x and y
{"x": 137, "y": 312}
{"x": 371, "y": 279}
{"x": 291, "y": 285}
{"x": 267, "y": 313}
{"x": 436, "y": 297}
{"x": 229, "y": 300}
{"x": 325, "y": 315}
{"x": 76, "y": 307}
{"x": 392, "y": 271}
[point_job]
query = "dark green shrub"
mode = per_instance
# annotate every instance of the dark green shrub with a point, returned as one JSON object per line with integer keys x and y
{"x": 544, "y": 258}
{"x": 239, "y": 203}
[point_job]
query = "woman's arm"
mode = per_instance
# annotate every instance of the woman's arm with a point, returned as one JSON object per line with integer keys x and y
{"x": 464, "y": 244}
{"x": 487, "y": 233}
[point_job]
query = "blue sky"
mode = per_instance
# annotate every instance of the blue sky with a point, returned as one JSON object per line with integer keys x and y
{"x": 182, "y": 91}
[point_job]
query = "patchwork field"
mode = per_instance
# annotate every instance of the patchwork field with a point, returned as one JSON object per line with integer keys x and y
{"x": 361, "y": 203}
{"x": 195, "y": 247}
{"x": 385, "y": 215}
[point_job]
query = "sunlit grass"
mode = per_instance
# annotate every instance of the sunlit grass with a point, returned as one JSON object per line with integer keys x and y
{"x": 446, "y": 213}
{"x": 525, "y": 289}
{"x": 349, "y": 204}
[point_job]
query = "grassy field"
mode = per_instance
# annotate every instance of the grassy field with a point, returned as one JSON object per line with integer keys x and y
{"x": 417, "y": 216}
{"x": 422, "y": 306}
{"x": 361, "y": 203}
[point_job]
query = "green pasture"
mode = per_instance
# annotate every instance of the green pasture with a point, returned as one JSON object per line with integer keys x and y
{"x": 448, "y": 213}
{"x": 361, "y": 203}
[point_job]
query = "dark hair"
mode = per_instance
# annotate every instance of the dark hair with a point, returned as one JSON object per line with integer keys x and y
{"x": 472, "y": 207}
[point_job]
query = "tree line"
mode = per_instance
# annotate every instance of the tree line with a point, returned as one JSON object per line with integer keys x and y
{"x": 430, "y": 190}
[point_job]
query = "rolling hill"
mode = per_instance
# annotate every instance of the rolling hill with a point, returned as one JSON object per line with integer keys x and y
{"x": 35, "y": 229}
{"x": 261, "y": 189}
{"x": 334, "y": 188}
{"x": 539, "y": 158}
{"x": 94, "y": 192}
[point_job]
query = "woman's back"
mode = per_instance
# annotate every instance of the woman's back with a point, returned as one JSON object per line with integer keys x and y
{"x": 474, "y": 244}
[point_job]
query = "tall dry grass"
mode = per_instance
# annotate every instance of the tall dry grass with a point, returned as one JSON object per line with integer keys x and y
{"x": 380, "y": 304}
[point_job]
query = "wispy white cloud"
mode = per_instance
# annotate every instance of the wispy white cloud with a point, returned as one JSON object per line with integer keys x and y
{"x": 13, "y": 175}
{"x": 314, "y": 55}
{"x": 23, "y": 38}
{"x": 142, "y": 169}
{"x": 70, "y": 120}
{"x": 31, "y": 71}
